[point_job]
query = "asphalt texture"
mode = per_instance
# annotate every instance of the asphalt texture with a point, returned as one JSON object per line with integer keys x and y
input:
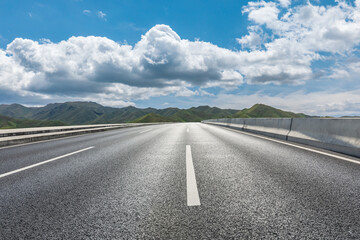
{"x": 132, "y": 185}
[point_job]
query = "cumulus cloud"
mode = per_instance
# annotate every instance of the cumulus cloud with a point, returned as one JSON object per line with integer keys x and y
{"x": 263, "y": 12}
{"x": 333, "y": 29}
{"x": 282, "y": 44}
{"x": 298, "y": 37}
{"x": 344, "y": 103}
{"x": 254, "y": 39}
{"x": 160, "y": 60}
{"x": 285, "y": 3}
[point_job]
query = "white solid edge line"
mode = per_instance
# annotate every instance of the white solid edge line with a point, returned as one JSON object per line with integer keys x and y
{"x": 41, "y": 163}
{"x": 50, "y": 140}
{"x": 297, "y": 146}
{"x": 191, "y": 187}
{"x": 41, "y": 141}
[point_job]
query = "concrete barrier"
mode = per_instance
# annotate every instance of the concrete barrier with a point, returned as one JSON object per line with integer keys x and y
{"x": 272, "y": 127}
{"x": 339, "y": 134}
{"x": 10, "y": 137}
{"x": 225, "y": 122}
{"x": 38, "y": 130}
{"x": 336, "y": 134}
{"x": 237, "y": 123}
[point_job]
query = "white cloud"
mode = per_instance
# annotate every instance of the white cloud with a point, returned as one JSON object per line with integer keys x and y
{"x": 315, "y": 103}
{"x": 45, "y": 40}
{"x": 86, "y": 12}
{"x": 280, "y": 48}
{"x": 252, "y": 41}
{"x": 101, "y": 15}
{"x": 354, "y": 68}
{"x": 159, "y": 59}
{"x": 13, "y": 76}
{"x": 340, "y": 74}
{"x": 300, "y": 36}
{"x": 262, "y": 12}
{"x": 202, "y": 92}
{"x": 347, "y": 71}
{"x": 285, "y": 3}
{"x": 186, "y": 93}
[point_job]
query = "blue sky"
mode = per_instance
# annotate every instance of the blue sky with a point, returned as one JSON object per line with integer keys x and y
{"x": 297, "y": 55}
{"x": 219, "y": 22}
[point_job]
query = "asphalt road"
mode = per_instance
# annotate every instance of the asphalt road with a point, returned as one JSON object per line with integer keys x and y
{"x": 138, "y": 183}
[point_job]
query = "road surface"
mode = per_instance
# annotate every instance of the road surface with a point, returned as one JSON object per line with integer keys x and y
{"x": 175, "y": 181}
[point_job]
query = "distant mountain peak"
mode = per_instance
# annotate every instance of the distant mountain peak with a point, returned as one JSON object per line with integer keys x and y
{"x": 78, "y": 112}
{"x": 260, "y": 110}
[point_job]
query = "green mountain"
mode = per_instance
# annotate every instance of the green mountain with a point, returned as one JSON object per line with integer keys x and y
{"x": 8, "y": 122}
{"x": 74, "y": 113}
{"x": 197, "y": 114}
{"x": 153, "y": 117}
{"x": 94, "y": 113}
{"x": 264, "y": 111}
{"x": 15, "y": 111}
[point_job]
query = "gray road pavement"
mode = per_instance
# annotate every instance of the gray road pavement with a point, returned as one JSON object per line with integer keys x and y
{"x": 133, "y": 185}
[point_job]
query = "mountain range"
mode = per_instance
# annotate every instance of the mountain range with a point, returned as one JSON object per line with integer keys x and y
{"x": 94, "y": 113}
{"x": 8, "y": 122}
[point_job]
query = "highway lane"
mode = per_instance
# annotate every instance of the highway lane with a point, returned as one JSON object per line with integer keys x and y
{"x": 15, "y": 157}
{"x": 133, "y": 184}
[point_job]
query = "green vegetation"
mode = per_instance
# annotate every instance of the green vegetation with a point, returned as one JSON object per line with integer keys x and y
{"x": 194, "y": 114}
{"x": 197, "y": 114}
{"x": 7, "y": 123}
{"x": 264, "y": 111}
{"x": 152, "y": 117}
{"x": 93, "y": 113}
{"x": 74, "y": 113}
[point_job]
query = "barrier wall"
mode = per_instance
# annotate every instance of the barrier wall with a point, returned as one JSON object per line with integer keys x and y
{"x": 25, "y": 135}
{"x": 278, "y": 128}
{"x": 339, "y": 135}
{"x": 335, "y": 134}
